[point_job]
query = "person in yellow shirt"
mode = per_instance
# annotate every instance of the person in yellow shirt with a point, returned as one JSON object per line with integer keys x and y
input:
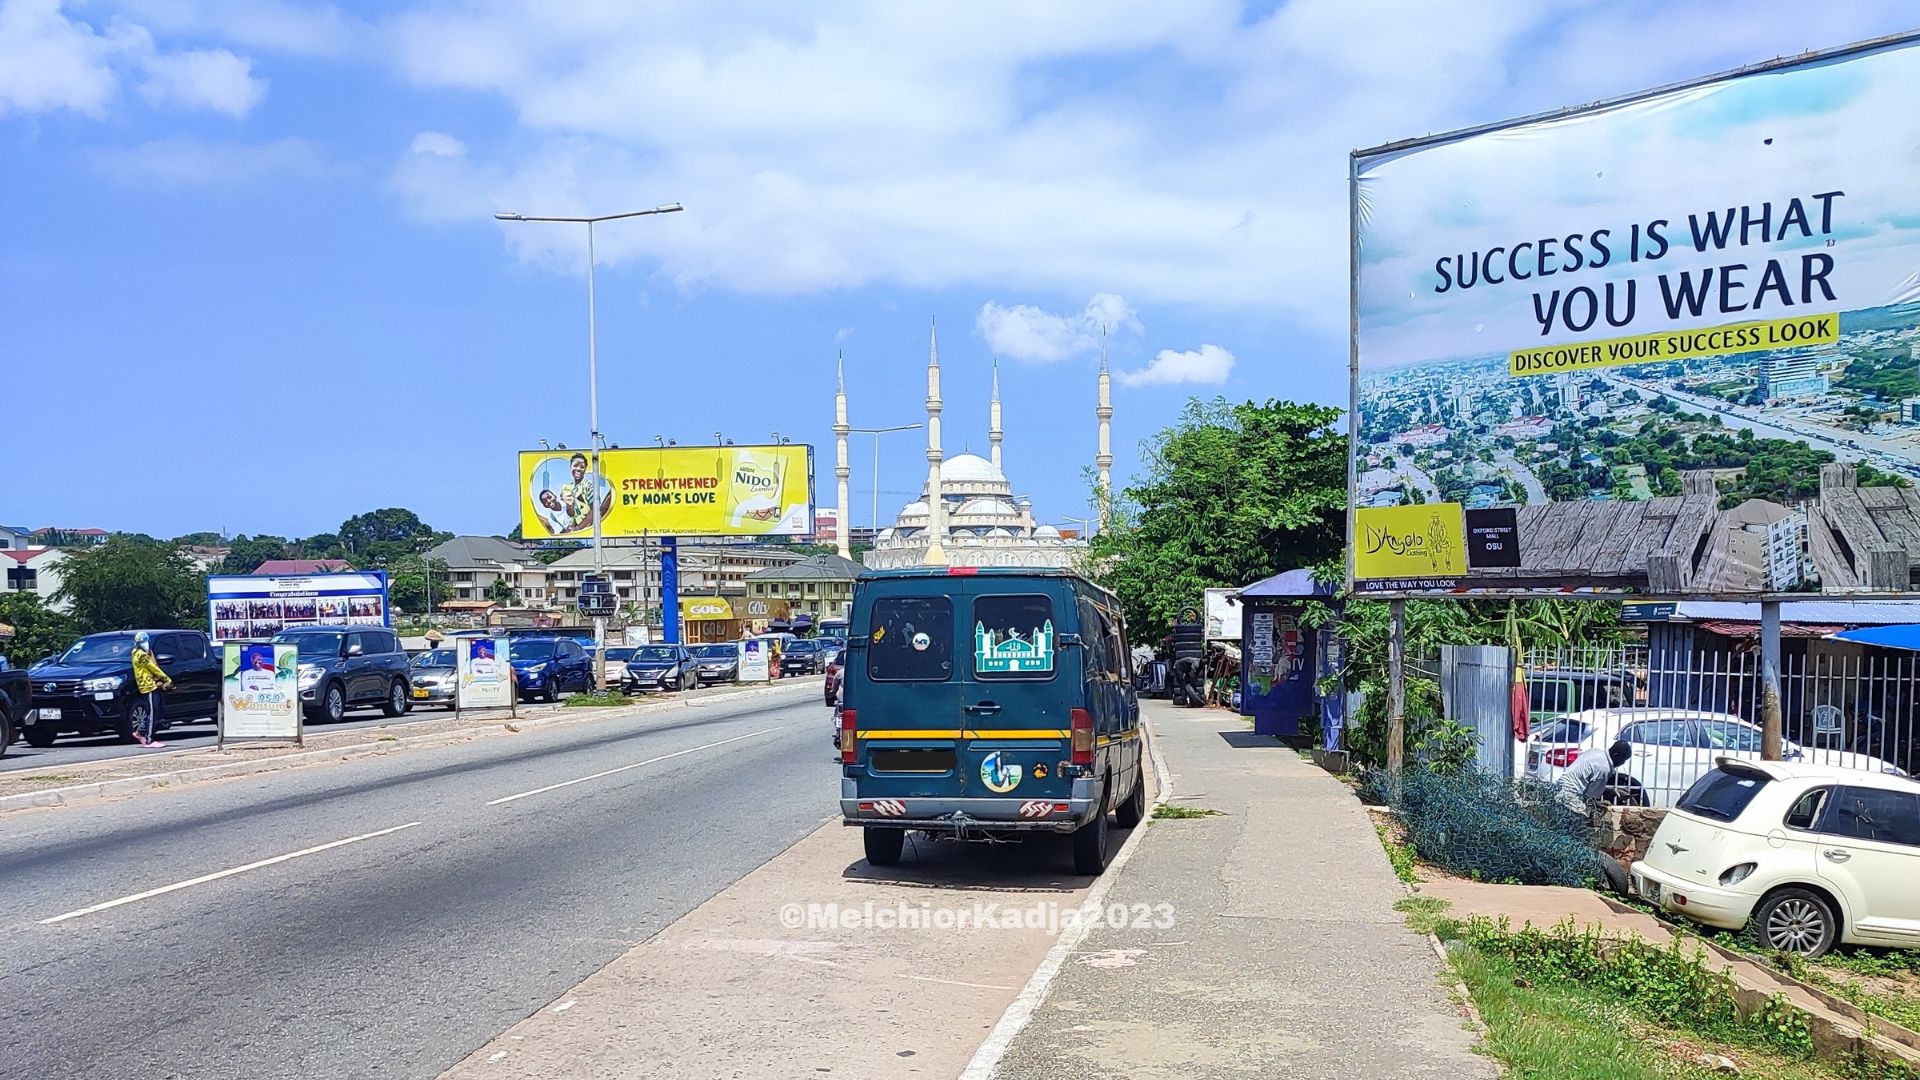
{"x": 152, "y": 683}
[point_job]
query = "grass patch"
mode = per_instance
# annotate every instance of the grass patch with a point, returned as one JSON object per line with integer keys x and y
{"x": 1399, "y": 853}
{"x": 1566, "y": 1031}
{"x": 1428, "y": 915}
{"x": 50, "y": 778}
{"x": 1181, "y": 813}
{"x": 595, "y": 701}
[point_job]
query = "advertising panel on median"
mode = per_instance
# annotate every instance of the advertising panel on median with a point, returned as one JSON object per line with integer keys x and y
{"x": 1666, "y": 346}
{"x": 673, "y": 491}
{"x": 484, "y": 680}
{"x": 251, "y": 607}
{"x": 260, "y": 692}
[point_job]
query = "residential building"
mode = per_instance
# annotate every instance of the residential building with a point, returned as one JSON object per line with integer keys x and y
{"x": 15, "y": 538}
{"x": 475, "y": 563}
{"x": 55, "y": 536}
{"x": 633, "y": 567}
{"x": 819, "y": 587}
{"x": 204, "y": 557}
{"x": 300, "y": 567}
{"x": 34, "y": 570}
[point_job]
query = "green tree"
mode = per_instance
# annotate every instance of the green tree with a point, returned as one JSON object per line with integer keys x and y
{"x": 500, "y": 592}
{"x": 1231, "y": 493}
{"x": 38, "y": 630}
{"x": 382, "y": 537}
{"x": 319, "y": 546}
{"x": 410, "y": 587}
{"x": 200, "y": 539}
{"x": 245, "y": 553}
{"x": 129, "y": 583}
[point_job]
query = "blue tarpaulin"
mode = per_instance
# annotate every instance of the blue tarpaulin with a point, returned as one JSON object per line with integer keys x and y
{"x": 1901, "y": 636}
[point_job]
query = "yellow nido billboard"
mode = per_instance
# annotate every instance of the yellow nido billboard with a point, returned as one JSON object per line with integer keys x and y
{"x": 675, "y": 491}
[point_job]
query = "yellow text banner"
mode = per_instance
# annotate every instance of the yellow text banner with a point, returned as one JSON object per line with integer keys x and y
{"x": 1427, "y": 540}
{"x": 1676, "y": 345}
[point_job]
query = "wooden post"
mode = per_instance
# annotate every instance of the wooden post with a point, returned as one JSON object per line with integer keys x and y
{"x": 1770, "y": 721}
{"x": 1397, "y": 688}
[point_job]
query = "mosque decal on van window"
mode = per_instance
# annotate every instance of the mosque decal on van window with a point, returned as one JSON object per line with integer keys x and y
{"x": 1012, "y": 654}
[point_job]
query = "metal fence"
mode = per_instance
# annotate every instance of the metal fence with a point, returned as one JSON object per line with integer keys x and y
{"x": 1680, "y": 708}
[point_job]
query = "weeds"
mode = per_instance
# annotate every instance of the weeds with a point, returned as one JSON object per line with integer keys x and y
{"x": 595, "y": 700}
{"x": 1427, "y": 915}
{"x": 50, "y": 778}
{"x": 1181, "y": 813}
{"x": 1399, "y": 853}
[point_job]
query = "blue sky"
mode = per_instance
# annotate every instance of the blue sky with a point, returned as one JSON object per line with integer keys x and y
{"x": 249, "y": 279}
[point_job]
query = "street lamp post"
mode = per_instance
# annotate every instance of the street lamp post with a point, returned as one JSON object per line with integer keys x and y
{"x": 876, "y": 432}
{"x": 593, "y": 410}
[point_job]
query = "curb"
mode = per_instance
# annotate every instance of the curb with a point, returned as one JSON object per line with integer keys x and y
{"x": 987, "y": 1058}
{"x": 62, "y": 796}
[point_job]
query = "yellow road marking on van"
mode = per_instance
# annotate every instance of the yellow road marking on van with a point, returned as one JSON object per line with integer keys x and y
{"x": 955, "y": 733}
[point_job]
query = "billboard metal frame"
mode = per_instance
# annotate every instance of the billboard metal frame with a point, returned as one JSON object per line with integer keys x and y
{"x": 1403, "y": 146}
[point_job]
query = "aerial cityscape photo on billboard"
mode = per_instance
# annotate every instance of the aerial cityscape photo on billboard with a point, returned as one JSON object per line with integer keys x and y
{"x": 1664, "y": 346}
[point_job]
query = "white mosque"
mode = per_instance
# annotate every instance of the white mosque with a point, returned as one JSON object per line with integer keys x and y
{"x": 967, "y": 513}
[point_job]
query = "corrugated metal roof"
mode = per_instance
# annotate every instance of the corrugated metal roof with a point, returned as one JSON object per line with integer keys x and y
{"x": 1829, "y": 612}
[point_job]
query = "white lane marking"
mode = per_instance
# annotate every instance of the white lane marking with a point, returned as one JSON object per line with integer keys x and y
{"x": 987, "y": 1058}
{"x": 216, "y": 876}
{"x": 624, "y": 768}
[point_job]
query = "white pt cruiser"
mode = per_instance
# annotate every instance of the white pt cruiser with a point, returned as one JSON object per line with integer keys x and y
{"x": 1813, "y": 855}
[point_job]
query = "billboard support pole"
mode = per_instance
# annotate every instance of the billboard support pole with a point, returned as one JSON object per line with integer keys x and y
{"x": 670, "y": 590}
{"x": 1770, "y": 720}
{"x": 1396, "y": 688}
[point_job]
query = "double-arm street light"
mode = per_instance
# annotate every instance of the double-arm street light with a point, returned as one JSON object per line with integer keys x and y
{"x": 593, "y": 409}
{"x": 876, "y": 432}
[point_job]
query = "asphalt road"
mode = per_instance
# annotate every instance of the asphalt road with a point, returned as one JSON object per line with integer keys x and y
{"x": 453, "y": 893}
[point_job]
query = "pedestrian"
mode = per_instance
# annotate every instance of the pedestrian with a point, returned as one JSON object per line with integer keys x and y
{"x": 773, "y": 658}
{"x": 152, "y": 683}
{"x": 1583, "y": 788}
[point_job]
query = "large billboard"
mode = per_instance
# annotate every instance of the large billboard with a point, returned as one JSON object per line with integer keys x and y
{"x": 250, "y": 607}
{"x": 1667, "y": 345}
{"x": 673, "y": 491}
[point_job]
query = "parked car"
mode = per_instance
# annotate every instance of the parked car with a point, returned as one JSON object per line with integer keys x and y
{"x": 831, "y": 665}
{"x": 618, "y": 654}
{"x": 16, "y": 700}
{"x": 89, "y": 690}
{"x": 348, "y": 667}
{"x": 716, "y": 663}
{"x": 660, "y": 667}
{"x": 546, "y": 667}
{"x": 802, "y": 656}
{"x": 434, "y": 677}
{"x": 1811, "y": 855}
{"x": 1672, "y": 748}
{"x": 987, "y": 704}
{"x": 1553, "y": 692}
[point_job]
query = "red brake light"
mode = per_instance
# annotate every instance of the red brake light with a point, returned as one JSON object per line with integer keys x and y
{"x": 1562, "y": 756}
{"x": 962, "y": 571}
{"x": 1082, "y": 737}
{"x": 848, "y": 726}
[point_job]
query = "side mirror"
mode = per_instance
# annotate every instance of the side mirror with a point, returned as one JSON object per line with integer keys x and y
{"x": 354, "y": 650}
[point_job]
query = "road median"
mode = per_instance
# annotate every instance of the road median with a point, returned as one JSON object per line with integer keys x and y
{"x": 60, "y": 785}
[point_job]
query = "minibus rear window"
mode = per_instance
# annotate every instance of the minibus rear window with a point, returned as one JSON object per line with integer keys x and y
{"x": 1013, "y": 636}
{"x": 1723, "y": 794}
{"x": 912, "y": 639}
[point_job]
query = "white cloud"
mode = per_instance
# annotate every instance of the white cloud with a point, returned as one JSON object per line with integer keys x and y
{"x": 300, "y": 29}
{"x": 203, "y": 78}
{"x": 1025, "y": 332}
{"x": 1168, "y": 153}
{"x": 189, "y": 162}
{"x": 51, "y": 61}
{"x": 1209, "y": 365}
{"x": 437, "y": 144}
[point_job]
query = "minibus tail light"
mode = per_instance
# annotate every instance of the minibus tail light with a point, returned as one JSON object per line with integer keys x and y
{"x": 1082, "y": 737}
{"x": 848, "y": 726}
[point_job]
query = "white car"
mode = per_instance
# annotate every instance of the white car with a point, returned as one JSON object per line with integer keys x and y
{"x": 1813, "y": 855}
{"x": 1672, "y": 748}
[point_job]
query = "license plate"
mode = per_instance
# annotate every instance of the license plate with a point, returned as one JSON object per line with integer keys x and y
{"x": 48, "y": 714}
{"x": 419, "y": 692}
{"x": 1651, "y": 891}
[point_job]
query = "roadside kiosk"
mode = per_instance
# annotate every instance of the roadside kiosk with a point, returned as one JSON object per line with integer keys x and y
{"x": 1279, "y": 657}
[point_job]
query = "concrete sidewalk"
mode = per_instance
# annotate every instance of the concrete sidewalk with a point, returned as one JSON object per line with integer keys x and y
{"x": 1285, "y": 957}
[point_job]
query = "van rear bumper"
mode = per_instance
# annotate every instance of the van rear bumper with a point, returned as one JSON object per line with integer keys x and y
{"x": 961, "y": 817}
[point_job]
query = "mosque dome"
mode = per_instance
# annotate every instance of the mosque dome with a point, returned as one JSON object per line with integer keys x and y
{"x": 969, "y": 469}
{"x": 915, "y": 509}
{"x": 989, "y": 506}
{"x": 1046, "y": 532}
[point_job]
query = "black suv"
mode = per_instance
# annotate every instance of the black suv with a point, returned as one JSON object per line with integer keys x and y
{"x": 89, "y": 689}
{"x": 805, "y": 656}
{"x": 342, "y": 667}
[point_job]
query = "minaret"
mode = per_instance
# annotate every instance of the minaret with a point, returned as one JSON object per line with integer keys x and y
{"x": 936, "y": 504}
{"x": 840, "y": 469}
{"x": 993, "y": 416}
{"x": 1104, "y": 412}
